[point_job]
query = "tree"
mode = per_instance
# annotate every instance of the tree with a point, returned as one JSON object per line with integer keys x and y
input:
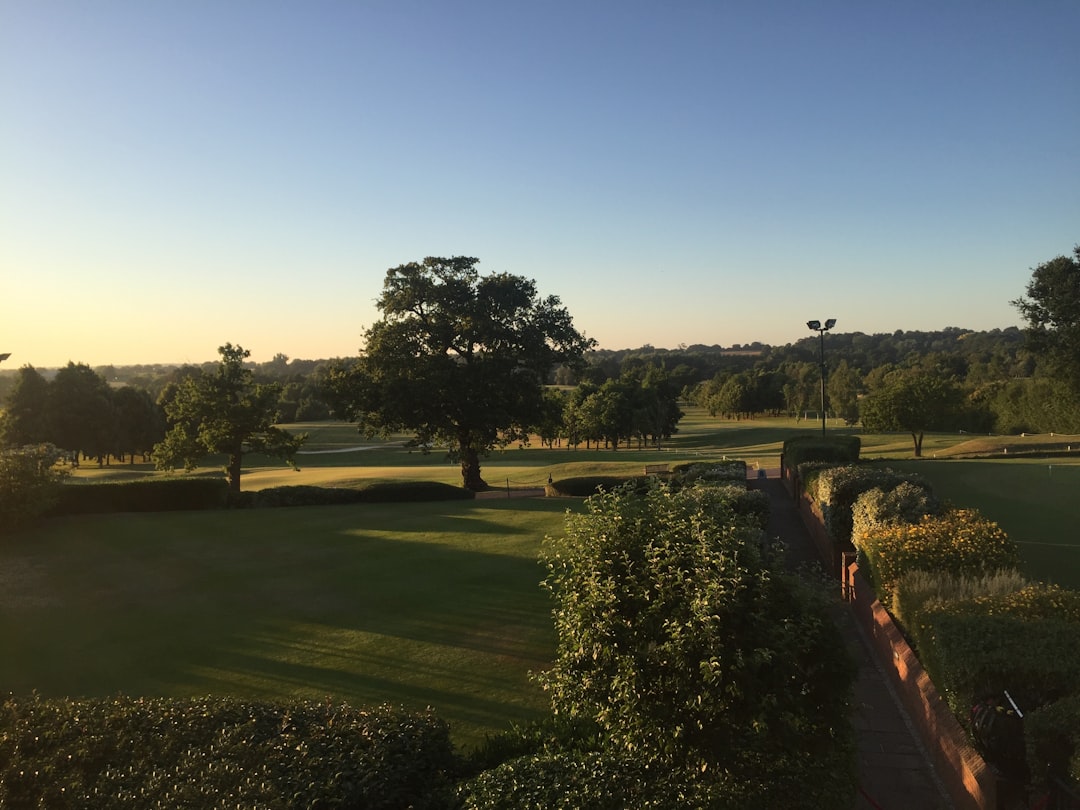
{"x": 1052, "y": 310}
{"x": 224, "y": 411}
{"x": 140, "y": 422}
{"x": 23, "y": 418}
{"x": 29, "y": 482}
{"x": 81, "y": 417}
{"x": 457, "y": 359}
{"x": 843, "y": 388}
{"x": 912, "y": 401}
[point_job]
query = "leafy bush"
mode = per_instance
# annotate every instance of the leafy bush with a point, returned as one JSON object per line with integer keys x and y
{"x": 29, "y": 484}
{"x": 1052, "y": 738}
{"x": 838, "y": 488}
{"x": 682, "y": 644}
{"x": 920, "y": 590}
{"x": 1037, "y": 600}
{"x": 968, "y": 656}
{"x": 304, "y": 496}
{"x": 586, "y": 485}
{"x": 751, "y": 503}
{"x": 959, "y": 542}
{"x": 907, "y": 502}
{"x": 413, "y": 492}
{"x": 219, "y": 753}
{"x": 606, "y": 781}
{"x": 159, "y": 494}
{"x": 713, "y": 472}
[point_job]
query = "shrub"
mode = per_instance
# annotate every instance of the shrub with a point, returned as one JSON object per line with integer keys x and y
{"x": 304, "y": 496}
{"x": 158, "y": 494}
{"x": 833, "y": 449}
{"x": 29, "y": 484}
{"x": 586, "y": 485}
{"x": 920, "y": 590}
{"x": 1037, "y": 600}
{"x": 713, "y": 472}
{"x": 219, "y": 752}
{"x": 681, "y": 643}
{"x": 413, "y": 492}
{"x": 838, "y": 488}
{"x": 750, "y": 503}
{"x": 1052, "y": 738}
{"x": 968, "y": 656}
{"x": 907, "y": 502}
{"x": 959, "y": 542}
{"x": 606, "y": 781}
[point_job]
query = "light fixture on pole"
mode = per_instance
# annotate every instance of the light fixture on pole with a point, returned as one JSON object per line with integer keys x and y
{"x": 815, "y": 326}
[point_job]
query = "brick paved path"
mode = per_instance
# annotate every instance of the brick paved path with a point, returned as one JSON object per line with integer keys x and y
{"x": 894, "y": 770}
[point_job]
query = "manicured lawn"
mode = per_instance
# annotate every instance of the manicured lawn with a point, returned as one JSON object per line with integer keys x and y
{"x": 1033, "y": 500}
{"x": 420, "y": 604}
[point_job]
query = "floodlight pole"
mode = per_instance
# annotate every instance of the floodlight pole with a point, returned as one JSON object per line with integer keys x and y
{"x": 816, "y": 326}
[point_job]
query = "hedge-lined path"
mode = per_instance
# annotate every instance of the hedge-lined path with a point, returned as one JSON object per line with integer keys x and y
{"x": 894, "y": 769}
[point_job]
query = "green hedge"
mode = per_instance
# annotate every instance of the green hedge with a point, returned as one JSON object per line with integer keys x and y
{"x": 838, "y": 488}
{"x": 413, "y": 492}
{"x": 1052, "y": 739}
{"x": 159, "y": 494}
{"x": 129, "y": 754}
{"x": 967, "y": 656}
{"x": 586, "y": 485}
{"x": 374, "y": 492}
{"x": 606, "y": 781}
{"x": 960, "y": 542}
{"x": 835, "y": 449}
{"x": 713, "y": 472}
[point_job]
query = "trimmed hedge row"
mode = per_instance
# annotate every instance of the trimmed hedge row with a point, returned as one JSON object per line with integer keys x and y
{"x": 979, "y": 627}
{"x": 164, "y": 494}
{"x": 167, "y": 494}
{"x": 377, "y": 492}
{"x": 219, "y": 753}
{"x": 833, "y": 449}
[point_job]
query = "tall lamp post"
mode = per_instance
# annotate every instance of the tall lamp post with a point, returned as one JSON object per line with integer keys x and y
{"x": 815, "y": 326}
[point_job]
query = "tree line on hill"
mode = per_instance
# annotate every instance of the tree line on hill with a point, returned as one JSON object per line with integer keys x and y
{"x": 471, "y": 362}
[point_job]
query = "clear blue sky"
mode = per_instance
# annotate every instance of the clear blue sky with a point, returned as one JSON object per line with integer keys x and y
{"x": 174, "y": 176}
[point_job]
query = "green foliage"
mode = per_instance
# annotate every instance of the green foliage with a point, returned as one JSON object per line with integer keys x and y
{"x": 967, "y": 656}
{"x": 1052, "y": 311}
{"x": 164, "y": 494}
{"x": 413, "y": 492}
{"x": 1052, "y": 737}
{"x": 458, "y": 359}
{"x": 836, "y": 449}
{"x": 583, "y": 486}
{"x": 223, "y": 412}
{"x": 128, "y": 754}
{"x": 29, "y": 484}
{"x": 913, "y": 401}
{"x": 959, "y": 542}
{"x": 838, "y": 488}
{"x": 906, "y": 502}
{"x": 712, "y": 472}
{"x": 301, "y": 496}
{"x": 681, "y": 644}
{"x": 606, "y": 780}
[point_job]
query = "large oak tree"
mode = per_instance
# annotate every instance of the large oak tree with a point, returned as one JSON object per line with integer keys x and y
{"x": 457, "y": 359}
{"x": 1052, "y": 311}
{"x": 224, "y": 412}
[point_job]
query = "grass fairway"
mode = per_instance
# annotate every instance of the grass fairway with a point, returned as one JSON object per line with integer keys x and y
{"x": 424, "y": 604}
{"x": 1031, "y": 499}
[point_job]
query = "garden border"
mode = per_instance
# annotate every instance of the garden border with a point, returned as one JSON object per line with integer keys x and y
{"x": 969, "y": 781}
